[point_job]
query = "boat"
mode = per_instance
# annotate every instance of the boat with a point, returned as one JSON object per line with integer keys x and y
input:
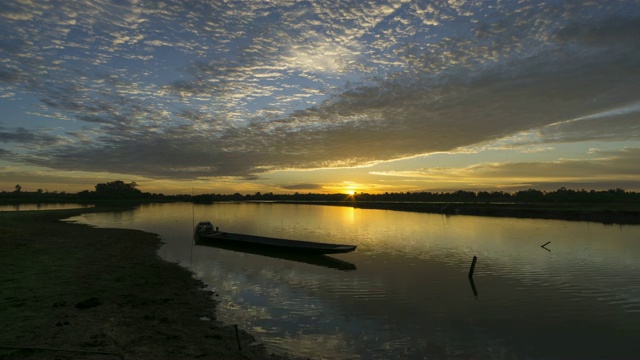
{"x": 204, "y": 227}
{"x": 206, "y": 233}
{"x": 311, "y": 259}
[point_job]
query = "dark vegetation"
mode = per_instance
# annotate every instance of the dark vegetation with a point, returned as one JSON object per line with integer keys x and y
{"x": 114, "y": 190}
{"x": 561, "y": 195}
{"x": 119, "y": 190}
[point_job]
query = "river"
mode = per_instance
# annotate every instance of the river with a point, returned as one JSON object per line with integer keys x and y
{"x": 405, "y": 293}
{"x": 41, "y": 206}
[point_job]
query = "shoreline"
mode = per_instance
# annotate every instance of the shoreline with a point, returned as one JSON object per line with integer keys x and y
{"x": 619, "y": 214}
{"x": 73, "y": 291}
{"x": 606, "y": 213}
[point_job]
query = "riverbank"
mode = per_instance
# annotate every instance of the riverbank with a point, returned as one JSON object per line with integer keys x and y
{"x": 623, "y": 213}
{"x": 70, "y": 291}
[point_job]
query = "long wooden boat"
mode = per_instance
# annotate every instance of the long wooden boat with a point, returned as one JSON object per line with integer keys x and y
{"x": 311, "y": 259}
{"x": 205, "y": 232}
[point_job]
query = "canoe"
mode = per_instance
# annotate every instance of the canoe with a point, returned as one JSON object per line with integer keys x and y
{"x": 263, "y": 242}
{"x": 311, "y": 259}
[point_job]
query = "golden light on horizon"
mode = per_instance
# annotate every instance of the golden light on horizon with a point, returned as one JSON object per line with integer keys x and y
{"x": 350, "y": 194}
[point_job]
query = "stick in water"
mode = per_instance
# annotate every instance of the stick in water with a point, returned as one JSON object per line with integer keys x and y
{"x": 237, "y": 337}
{"x": 473, "y": 267}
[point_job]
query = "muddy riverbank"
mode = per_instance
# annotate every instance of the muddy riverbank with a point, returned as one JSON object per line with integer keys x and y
{"x": 70, "y": 291}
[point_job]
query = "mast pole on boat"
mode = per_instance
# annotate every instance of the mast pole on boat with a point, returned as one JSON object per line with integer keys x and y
{"x": 193, "y": 225}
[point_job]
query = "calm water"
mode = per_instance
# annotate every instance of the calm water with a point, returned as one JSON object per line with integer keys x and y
{"x": 42, "y": 206}
{"x": 409, "y": 296}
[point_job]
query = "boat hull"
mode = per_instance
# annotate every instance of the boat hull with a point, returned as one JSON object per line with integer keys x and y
{"x": 273, "y": 244}
{"x": 311, "y": 259}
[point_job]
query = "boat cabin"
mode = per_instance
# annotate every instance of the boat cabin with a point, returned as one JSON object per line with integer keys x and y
{"x": 204, "y": 227}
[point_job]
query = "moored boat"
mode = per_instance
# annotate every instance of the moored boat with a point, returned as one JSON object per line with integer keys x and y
{"x": 311, "y": 259}
{"x": 204, "y": 227}
{"x": 205, "y": 232}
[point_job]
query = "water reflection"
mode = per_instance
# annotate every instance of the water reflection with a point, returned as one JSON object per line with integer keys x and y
{"x": 409, "y": 297}
{"x": 42, "y": 206}
{"x": 473, "y": 287}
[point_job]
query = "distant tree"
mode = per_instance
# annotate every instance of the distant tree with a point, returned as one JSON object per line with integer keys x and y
{"x": 530, "y": 195}
{"x": 18, "y": 188}
{"x": 118, "y": 190}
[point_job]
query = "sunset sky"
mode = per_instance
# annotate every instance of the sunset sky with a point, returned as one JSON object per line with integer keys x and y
{"x": 320, "y": 96}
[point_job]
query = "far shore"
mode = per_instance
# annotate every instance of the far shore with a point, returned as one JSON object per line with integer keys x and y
{"x": 71, "y": 291}
{"x": 623, "y": 214}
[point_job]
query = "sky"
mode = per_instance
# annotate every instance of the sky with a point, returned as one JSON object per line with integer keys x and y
{"x": 283, "y": 96}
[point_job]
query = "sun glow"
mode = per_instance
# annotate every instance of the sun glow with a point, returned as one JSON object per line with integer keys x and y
{"x": 350, "y": 195}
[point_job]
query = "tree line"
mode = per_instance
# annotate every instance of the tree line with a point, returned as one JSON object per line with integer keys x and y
{"x": 119, "y": 190}
{"x": 562, "y": 195}
{"x": 114, "y": 190}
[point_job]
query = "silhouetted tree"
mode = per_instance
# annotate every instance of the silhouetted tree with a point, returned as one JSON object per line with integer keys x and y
{"x": 530, "y": 195}
{"x": 117, "y": 190}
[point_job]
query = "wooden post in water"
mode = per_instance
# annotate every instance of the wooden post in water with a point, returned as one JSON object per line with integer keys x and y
{"x": 473, "y": 267}
{"x": 237, "y": 337}
{"x": 473, "y": 287}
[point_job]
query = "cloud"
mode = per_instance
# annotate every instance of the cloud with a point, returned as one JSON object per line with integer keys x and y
{"x": 178, "y": 152}
{"x": 9, "y": 77}
{"x": 320, "y": 56}
{"x": 29, "y": 138}
{"x": 621, "y": 30}
{"x": 6, "y": 154}
{"x": 609, "y": 167}
{"x": 182, "y": 90}
{"x": 619, "y": 124}
{"x": 621, "y": 127}
{"x": 394, "y": 120}
{"x": 309, "y": 187}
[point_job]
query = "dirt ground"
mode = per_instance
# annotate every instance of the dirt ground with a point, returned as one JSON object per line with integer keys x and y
{"x": 70, "y": 291}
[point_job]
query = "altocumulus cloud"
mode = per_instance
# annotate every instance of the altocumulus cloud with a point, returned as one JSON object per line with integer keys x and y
{"x": 199, "y": 89}
{"x": 609, "y": 167}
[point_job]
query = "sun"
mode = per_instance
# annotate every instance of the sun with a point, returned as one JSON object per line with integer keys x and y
{"x": 351, "y": 195}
